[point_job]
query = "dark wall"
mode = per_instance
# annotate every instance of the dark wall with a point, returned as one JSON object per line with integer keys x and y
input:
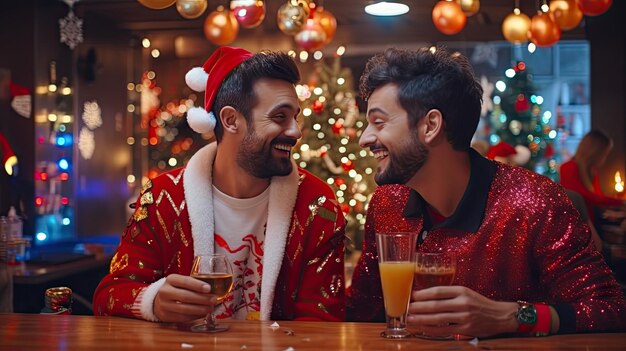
{"x": 607, "y": 38}
{"x": 17, "y": 35}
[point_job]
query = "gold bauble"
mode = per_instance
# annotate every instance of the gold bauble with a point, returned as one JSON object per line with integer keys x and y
{"x": 327, "y": 21}
{"x": 191, "y": 8}
{"x": 291, "y": 16}
{"x": 566, "y": 13}
{"x": 157, "y": 4}
{"x": 515, "y": 28}
{"x": 544, "y": 31}
{"x": 469, "y": 7}
{"x": 221, "y": 27}
{"x": 448, "y": 17}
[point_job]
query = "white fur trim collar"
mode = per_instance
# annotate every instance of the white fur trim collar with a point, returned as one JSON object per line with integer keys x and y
{"x": 197, "y": 181}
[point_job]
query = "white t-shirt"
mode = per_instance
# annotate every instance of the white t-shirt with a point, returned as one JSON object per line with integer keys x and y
{"x": 240, "y": 234}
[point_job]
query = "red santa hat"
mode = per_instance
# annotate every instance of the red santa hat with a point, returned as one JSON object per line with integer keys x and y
{"x": 209, "y": 78}
{"x": 501, "y": 149}
{"x": 20, "y": 99}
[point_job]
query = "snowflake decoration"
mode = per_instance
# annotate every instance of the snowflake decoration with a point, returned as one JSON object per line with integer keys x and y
{"x": 71, "y": 28}
{"x": 487, "y": 53}
{"x": 487, "y": 91}
{"x": 86, "y": 143}
{"x": 92, "y": 115}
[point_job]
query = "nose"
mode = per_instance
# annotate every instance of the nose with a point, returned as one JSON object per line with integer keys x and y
{"x": 367, "y": 137}
{"x": 293, "y": 130}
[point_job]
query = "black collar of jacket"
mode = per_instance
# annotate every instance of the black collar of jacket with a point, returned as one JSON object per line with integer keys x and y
{"x": 471, "y": 210}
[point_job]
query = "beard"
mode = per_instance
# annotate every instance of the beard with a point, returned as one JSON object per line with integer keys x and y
{"x": 255, "y": 156}
{"x": 403, "y": 164}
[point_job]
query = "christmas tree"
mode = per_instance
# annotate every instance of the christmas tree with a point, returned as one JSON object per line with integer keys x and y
{"x": 329, "y": 147}
{"x": 517, "y": 119}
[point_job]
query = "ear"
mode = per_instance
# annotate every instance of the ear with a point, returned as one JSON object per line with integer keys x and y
{"x": 432, "y": 126}
{"x": 231, "y": 123}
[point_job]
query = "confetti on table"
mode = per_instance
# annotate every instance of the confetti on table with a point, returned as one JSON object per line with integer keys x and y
{"x": 186, "y": 346}
{"x": 290, "y": 332}
{"x": 474, "y": 341}
{"x": 274, "y": 325}
{"x": 289, "y": 349}
{"x": 243, "y": 347}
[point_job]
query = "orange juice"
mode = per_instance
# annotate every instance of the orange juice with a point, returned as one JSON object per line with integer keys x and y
{"x": 396, "y": 279}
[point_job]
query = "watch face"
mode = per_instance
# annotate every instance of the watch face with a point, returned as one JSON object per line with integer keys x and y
{"x": 527, "y": 314}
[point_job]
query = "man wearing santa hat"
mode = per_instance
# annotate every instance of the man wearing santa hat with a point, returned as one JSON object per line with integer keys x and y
{"x": 242, "y": 196}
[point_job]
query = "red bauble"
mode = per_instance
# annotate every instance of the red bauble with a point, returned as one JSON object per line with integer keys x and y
{"x": 249, "y": 13}
{"x": 311, "y": 37}
{"x": 594, "y": 7}
{"x": 347, "y": 166}
{"x": 339, "y": 181}
{"x": 337, "y": 127}
{"x": 521, "y": 104}
{"x": 318, "y": 107}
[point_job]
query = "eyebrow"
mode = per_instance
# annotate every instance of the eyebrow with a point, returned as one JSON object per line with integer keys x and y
{"x": 283, "y": 106}
{"x": 377, "y": 109}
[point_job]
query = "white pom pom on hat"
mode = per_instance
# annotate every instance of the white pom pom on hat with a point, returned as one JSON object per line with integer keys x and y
{"x": 200, "y": 120}
{"x": 196, "y": 79}
{"x": 209, "y": 78}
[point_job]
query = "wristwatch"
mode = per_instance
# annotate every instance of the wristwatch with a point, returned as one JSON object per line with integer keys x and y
{"x": 526, "y": 316}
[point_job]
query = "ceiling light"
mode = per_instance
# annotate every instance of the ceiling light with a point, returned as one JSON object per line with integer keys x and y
{"x": 385, "y": 8}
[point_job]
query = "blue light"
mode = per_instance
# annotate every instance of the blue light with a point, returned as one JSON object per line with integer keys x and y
{"x": 62, "y": 128}
{"x": 60, "y": 140}
{"x": 66, "y": 221}
{"x": 494, "y": 139}
{"x": 63, "y": 164}
{"x": 41, "y": 236}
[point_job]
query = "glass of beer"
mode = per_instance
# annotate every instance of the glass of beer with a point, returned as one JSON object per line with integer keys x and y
{"x": 396, "y": 262}
{"x": 216, "y": 271}
{"x": 433, "y": 269}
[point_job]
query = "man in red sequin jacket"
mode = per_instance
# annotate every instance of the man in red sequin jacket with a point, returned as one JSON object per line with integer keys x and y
{"x": 241, "y": 196}
{"x": 519, "y": 242}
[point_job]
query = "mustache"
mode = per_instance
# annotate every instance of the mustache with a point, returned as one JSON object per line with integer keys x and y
{"x": 375, "y": 147}
{"x": 283, "y": 140}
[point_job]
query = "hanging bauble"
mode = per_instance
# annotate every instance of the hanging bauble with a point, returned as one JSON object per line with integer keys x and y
{"x": 221, "y": 27}
{"x": 544, "y": 32}
{"x": 337, "y": 127}
{"x": 311, "y": 37}
{"x": 566, "y": 13}
{"x": 191, "y": 9}
{"x": 327, "y": 21}
{"x": 521, "y": 104}
{"x": 448, "y": 17}
{"x": 157, "y": 4}
{"x": 515, "y": 27}
{"x": 249, "y": 13}
{"x": 292, "y": 16}
{"x": 318, "y": 107}
{"x": 594, "y": 7}
{"x": 469, "y": 7}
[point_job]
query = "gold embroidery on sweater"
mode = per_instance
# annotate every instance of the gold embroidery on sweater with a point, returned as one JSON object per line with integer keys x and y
{"x": 298, "y": 251}
{"x": 178, "y": 177}
{"x": 335, "y": 284}
{"x": 315, "y": 260}
{"x": 324, "y": 293}
{"x": 324, "y": 261}
{"x": 111, "y": 303}
{"x": 141, "y": 213}
{"x": 127, "y": 306}
{"x": 163, "y": 226}
{"x": 140, "y": 264}
{"x": 175, "y": 258}
{"x": 327, "y": 214}
{"x": 146, "y": 186}
{"x": 134, "y": 293}
{"x": 319, "y": 240}
{"x": 134, "y": 232}
{"x": 322, "y": 307}
{"x": 146, "y": 199}
{"x": 118, "y": 264}
{"x": 177, "y": 209}
{"x": 179, "y": 227}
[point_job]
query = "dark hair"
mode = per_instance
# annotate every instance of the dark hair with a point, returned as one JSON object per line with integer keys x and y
{"x": 237, "y": 90}
{"x": 430, "y": 79}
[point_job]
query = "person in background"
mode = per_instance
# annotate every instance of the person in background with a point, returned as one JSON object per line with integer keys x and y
{"x": 526, "y": 264}
{"x": 502, "y": 152}
{"x": 580, "y": 173}
{"x": 241, "y": 196}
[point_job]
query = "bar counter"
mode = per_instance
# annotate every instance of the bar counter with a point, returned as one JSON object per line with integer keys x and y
{"x": 71, "y": 332}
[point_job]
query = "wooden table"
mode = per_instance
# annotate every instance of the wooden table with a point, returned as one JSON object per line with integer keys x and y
{"x": 55, "y": 332}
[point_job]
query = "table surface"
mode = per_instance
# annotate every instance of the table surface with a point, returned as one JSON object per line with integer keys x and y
{"x": 33, "y": 273}
{"x": 58, "y": 332}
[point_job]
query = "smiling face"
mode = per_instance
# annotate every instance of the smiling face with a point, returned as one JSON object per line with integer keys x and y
{"x": 393, "y": 141}
{"x": 265, "y": 151}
